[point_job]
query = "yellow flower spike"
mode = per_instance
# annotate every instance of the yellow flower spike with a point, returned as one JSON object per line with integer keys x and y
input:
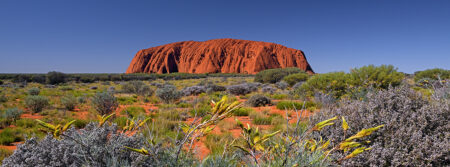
{"x": 68, "y": 125}
{"x": 103, "y": 119}
{"x": 141, "y": 151}
{"x": 363, "y": 133}
{"x": 348, "y": 145}
{"x": 356, "y": 152}
{"x": 143, "y": 122}
{"x": 322, "y": 124}
{"x": 46, "y": 125}
{"x": 344, "y": 124}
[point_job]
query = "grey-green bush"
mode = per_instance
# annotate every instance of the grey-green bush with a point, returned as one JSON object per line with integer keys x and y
{"x": 168, "y": 93}
{"x": 259, "y": 100}
{"x": 69, "y": 102}
{"x": 34, "y": 91}
{"x": 416, "y": 131}
{"x": 36, "y": 103}
{"x": 104, "y": 103}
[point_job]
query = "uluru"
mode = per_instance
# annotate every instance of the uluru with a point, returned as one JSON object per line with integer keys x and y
{"x": 217, "y": 56}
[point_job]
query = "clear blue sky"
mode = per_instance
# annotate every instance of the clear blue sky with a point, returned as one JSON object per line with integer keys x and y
{"x": 92, "y": 36}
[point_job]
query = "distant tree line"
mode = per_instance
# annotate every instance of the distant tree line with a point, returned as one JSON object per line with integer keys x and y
{"x": 55, "y": 77}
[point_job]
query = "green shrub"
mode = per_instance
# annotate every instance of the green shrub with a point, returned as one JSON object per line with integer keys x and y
{"x": 133, "y": 112}
{"x": 55, "y": 77}
{"x": 9, "y": 135}
{"x": 275, "y": 75}
{"x": 432, "y": 74}
{"x": 376, "y": 76}
{"x": 104, "y": 103}
{"x": 242, "y": 111}
{"x": 329, "y": 83}
{"x": 292, "y": 79}
{"x": 290, "y": 105}
{"x": 36, "y": 103}
{"x": 279, "y": 96}
{"x": 34, "y": 91}
{"x": 69, "y": 102}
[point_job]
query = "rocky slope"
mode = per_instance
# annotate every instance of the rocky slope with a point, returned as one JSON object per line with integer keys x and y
{"x": 217, "y": 56}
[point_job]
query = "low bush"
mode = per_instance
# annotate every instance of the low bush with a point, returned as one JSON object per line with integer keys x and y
{"x": 34, "y": 91}
{"x": 168, "y": 93}
{"x": 104, "y": 103}
{"x": 259, "y": 100}
{"x": 292, "y": 79}
{"x": 69, "y": 102}
{"x": 36, "y": 103}
{"x": 275, "y": 75}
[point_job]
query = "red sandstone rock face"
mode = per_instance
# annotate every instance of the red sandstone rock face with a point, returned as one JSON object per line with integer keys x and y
{"x": 217, "y": 56}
